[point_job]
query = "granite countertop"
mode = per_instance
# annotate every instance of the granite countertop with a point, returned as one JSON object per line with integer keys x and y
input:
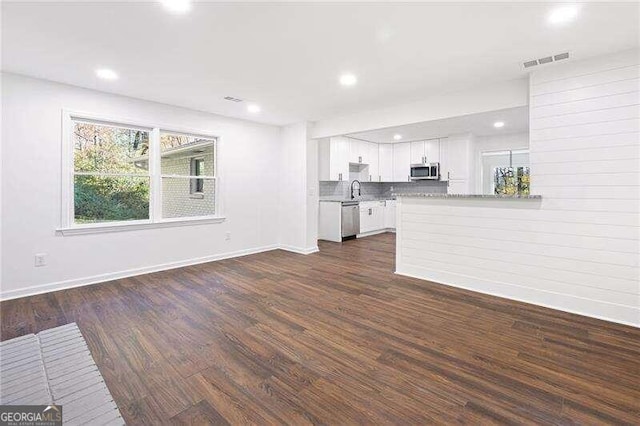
{"x": 473, "y": 196}
{"x": 344, "y": 200}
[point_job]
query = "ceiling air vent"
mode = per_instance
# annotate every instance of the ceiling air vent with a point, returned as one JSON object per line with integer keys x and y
{"x": 546, "y": 60}
{"x": 232, "y": 99}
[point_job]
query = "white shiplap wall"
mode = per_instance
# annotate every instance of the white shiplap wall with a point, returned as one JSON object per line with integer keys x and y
{"x": 579, "y": 248}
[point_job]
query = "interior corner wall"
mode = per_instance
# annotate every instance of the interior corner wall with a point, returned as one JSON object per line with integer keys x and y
{"x": 250, "y": 158}
{"x": 296, "y": 195}
{"x": 313, "y": 194}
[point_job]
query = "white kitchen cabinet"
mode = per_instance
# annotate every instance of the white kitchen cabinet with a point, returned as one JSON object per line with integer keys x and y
{"x": 333, "y": 161}
{"x": 402, "y": 162}
{"x": 456, "y": 158}
{"x": 417, "y": 152}
{"x": 371, "y": 216}
{"x": 425, "y": 151}
{"x": 355, "y": 151}
{"x": 432, "y": 151}
{"x": 390, "y": 214}
{"x": 456, "y": 163}
{"x": 373, "y": 161}
{"x": 359, "y": 151}
{"x": 385, "y": 162}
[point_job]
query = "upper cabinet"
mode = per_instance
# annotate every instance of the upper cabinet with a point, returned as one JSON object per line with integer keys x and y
{"x": 402, "y": 162}
{"x": 362, "y": 152}
{"x": 425, "y": 151}
{"x": 456, "y": 165}
{"x": 333, "y": 159}
{"x": 392, "y": 162}
{"x": 385, "y": 162}
{"x": 373, "y": 160}
{"x": 355, "y": 151}
{"x": 432, "y": 151}
{"x": 417, "y": 152}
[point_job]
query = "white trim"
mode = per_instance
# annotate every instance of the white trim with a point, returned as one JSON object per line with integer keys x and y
{"x": 376, "y": 232}
{"x": 449, "y": 279}
{"x": 155, "y": 183}
{"x": 61, "y": 285}
{"x": 206, "y": 177}
{"x": 299, "y": 250}
{"x": 96, "y": 279}
{"x": 107, "y": 227}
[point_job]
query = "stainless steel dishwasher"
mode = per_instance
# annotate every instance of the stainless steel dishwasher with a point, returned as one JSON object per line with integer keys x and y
{"x": 350, "y": 219}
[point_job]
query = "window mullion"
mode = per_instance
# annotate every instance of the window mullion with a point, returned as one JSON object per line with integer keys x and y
{"x": 156, "y": 180}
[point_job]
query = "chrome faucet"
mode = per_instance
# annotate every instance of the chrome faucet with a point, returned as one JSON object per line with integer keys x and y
{"x": 352, "y": 188}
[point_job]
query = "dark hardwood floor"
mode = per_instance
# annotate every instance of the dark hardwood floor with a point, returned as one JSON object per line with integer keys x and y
{"x": 336, "y": 338}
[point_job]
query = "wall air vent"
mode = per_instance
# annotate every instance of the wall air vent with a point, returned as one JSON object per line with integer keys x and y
{"x": 546, "y": 60}
{"x": 232, "y": 99}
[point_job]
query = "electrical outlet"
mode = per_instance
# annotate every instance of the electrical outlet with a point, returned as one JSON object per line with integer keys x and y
{"x": 40, "y": 259}
{"x": 227, "y": 236}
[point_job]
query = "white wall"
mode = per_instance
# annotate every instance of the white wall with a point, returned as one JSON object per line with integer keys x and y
{"x": 492, "y": 97}
{"x": 313, "y": 194}
{"x": 250, "y": 156}
{"x": 510, "y": 141}
{"x": 578, "y": 249}
{"x": 298, "y": 201}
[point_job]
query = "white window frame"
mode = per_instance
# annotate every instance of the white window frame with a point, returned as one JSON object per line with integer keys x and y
{"x": 193, "y": 184}
{"x": 67, "y": 211}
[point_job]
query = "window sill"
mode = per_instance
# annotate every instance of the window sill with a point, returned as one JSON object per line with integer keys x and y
{"x": 122, "y": 227}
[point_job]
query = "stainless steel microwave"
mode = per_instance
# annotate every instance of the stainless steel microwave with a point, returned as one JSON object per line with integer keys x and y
{"x": 425, "y": 171}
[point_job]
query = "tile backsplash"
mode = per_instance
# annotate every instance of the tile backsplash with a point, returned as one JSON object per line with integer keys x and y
{"x": 381, "y": 189}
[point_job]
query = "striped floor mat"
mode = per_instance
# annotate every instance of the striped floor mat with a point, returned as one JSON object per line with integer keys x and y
{"x": 56, "y": 367}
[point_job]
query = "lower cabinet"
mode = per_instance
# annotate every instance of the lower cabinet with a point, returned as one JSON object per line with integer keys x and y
{"x": 377, "y": 215}
{"x": 371, "y": 216}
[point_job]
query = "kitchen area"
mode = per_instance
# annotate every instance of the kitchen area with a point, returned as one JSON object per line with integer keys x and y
{"x": 361, "y": 174}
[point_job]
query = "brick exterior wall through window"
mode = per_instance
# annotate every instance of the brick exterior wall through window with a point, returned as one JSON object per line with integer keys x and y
{"x": 177, "y": 197}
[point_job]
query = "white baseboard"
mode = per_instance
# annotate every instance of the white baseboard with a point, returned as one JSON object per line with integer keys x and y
{"x": 299, "y": 250}
{"x": 79, "y": 282}
{"x": 370, "y": 233}
{"x": 586, "y": 307}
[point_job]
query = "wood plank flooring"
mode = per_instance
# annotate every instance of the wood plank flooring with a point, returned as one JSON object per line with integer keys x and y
{"x": 336, "y": 338}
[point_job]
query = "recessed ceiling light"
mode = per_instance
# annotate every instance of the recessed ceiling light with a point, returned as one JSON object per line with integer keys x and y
{"x": 348, "y": 79}
{"x": 106, "y": 74}
{"x": 563, "y": 14}
{"x": 397, "y": 137}
{"x": 498, "y": 124}
{"x": 177, "y": 6}
{"x": 253, "y": 108}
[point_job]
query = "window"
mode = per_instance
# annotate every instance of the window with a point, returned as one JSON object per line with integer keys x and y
{"x": 188, "y": 181}
{"x": 197, "y": 166}
{"x": 108, "y": 185}
{"x": 506, "y": 172}
{"x": 121, "y": 174}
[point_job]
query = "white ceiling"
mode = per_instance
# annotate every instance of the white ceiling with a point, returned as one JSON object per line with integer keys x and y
{"x": 516, "y": 120}
{"x": 287, "y": 56}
